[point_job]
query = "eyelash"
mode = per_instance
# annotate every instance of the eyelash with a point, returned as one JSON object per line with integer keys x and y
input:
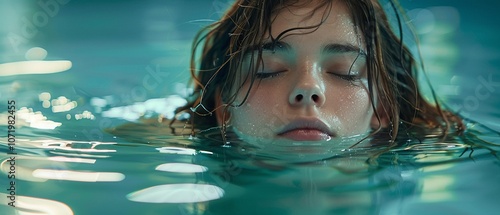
{"x": 350, "y": 78}
{"x": 265, "y": 75}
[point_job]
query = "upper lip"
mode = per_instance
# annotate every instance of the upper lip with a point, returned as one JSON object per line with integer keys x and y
{"x": 307, "y": 123}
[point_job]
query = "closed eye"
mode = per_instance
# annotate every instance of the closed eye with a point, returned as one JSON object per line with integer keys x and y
{"x": 350, "y": 78}
{"x": 265, "y": 75}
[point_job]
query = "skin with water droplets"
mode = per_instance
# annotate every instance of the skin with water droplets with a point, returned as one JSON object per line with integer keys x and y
{"x": 346, "y": 108}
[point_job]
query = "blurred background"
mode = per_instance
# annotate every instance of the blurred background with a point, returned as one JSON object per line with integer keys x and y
{"x": 125, "y": 59}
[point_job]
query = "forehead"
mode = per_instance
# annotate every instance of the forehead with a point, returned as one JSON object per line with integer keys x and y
{"x": 334, "y": 19}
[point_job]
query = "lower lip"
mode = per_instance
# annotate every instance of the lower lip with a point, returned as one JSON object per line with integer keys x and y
{"x": 306, "y": 135}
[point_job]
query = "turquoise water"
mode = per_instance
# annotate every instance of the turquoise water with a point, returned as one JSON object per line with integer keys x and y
{"x": 128, "y": 61}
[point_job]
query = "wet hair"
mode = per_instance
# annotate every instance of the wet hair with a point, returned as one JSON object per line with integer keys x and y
{"x": 391, "y": 67}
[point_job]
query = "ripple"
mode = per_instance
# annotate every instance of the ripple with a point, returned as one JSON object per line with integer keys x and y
{"x": 436, "y": 147}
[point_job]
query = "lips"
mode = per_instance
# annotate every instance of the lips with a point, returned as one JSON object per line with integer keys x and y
{"x": 306, "y": 129}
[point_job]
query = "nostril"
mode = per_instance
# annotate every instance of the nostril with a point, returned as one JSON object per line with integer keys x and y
{"x": 299, "y": 97}
{"x": 315, "y": 98}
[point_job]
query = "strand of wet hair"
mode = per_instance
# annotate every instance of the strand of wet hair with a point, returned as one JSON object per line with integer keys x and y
{"x": 433, "y": 93}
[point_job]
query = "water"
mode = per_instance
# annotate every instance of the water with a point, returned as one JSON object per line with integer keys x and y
{"x": 158, "y": 174}
{"x": 68, "y": 160}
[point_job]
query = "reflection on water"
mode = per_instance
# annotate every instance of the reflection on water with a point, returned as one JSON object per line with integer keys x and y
{"x": 181, "y": 167}
{"x": 33, "y": 67}
{"x": 297, "y": 151}
{"x": 198, "y": 175}
{"x": 35, "y": 119}
{"x": 31, "y": 205}
{"x": 177, "y": 193}
{"x": 77, "y": 176}
{"x": 151, "y": 107}
{"x": 181, "y": 151}
{"x": 34, "y": 64}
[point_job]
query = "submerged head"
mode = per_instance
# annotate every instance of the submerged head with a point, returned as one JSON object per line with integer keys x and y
{"x": 306, "y": 70}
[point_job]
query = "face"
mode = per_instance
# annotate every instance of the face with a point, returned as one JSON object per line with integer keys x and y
{"x": 312, "y": 85}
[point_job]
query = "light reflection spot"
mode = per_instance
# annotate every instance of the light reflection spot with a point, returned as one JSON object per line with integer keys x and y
{"x": 26, "y": 205}
{"x": 177, "y": 193}
{"x": 45, "y": 96}
{"x": 437, "y": 188}
{"x": 181, "y": 168}
{"x": 181, "y": 151}
{"x": 36, "y": 53}
{"x": 69, "y": 175}
{"x": 34, "y": 67}
{"x": 45, "y": 104}
{"x": 36, "y": 119}
{"x": 177, "y": 150}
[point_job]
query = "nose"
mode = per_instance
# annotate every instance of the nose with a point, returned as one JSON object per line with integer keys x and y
{"x": 307, "y": 92}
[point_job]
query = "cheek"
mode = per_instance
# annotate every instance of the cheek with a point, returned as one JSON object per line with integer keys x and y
{"x": 355, "y": 111}
{"x": 362, "y": 104}
{"x": 255, "y": 115}
{"x": 349, "y": 110}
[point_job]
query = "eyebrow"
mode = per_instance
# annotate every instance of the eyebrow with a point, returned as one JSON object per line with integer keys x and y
{"x": 336, "y": 48}
{"x": 276, "y": 46}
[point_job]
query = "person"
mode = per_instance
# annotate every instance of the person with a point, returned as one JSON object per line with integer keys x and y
{"x": 309, "y": 71}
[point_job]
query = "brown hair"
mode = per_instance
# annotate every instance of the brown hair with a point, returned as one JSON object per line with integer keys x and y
{"x": 390, "y": 64}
